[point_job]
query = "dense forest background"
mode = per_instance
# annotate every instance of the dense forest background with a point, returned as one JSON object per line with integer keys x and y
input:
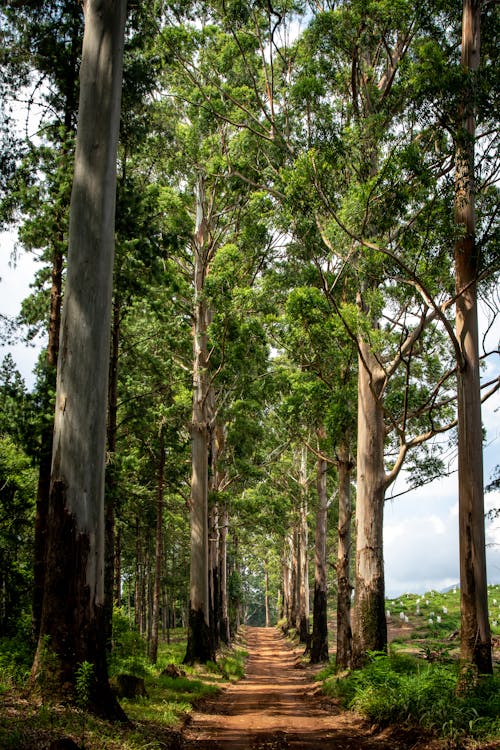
{"x": 306, "y": 218}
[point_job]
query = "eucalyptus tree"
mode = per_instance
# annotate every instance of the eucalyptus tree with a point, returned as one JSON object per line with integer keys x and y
{"x": 316, "y": 340}
{"x": 42, "y": 53}
{"x": 227, "y": 233}
{"x": 73, "y": 606}
{"x": 475, "y": 630}
{"x": 375, "y": 185}
{"x": 330, "y": 108}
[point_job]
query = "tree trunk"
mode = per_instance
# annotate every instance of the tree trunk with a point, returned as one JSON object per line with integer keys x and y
{"x": 368, "y": 621}
{"x": 199, "y": 644}
{"x": 294, "y": 577}
{"x": 266, "y": 592}
{"x": 475, "y": 630}
{"x": 214, "y": 584}
{"x": 319, "y": 645}
{"x": 224, "y": 618}
{"x": 153, "y": 651}
{"x": 110, "y": 483}
{"x": 287, "y": 583}
{"x": 303, "y": 564}
{"x": 54, "y": 329}
{"x": 73, "y": 611}
{"x": 344, "y": 632}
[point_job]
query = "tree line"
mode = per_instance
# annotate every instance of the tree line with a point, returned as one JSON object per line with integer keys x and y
{"x": 263, "y": 231}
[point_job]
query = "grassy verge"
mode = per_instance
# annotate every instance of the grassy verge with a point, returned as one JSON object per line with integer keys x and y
{"x": 155, "y": 717}
{"x": 402, "y": 690}
{"x": 415, "y": 686}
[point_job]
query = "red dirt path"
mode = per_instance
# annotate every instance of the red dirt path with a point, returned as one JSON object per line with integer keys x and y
{"x": 276, "y": 707}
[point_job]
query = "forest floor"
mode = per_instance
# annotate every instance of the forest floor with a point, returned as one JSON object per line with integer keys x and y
{"x": 278, "y": 706}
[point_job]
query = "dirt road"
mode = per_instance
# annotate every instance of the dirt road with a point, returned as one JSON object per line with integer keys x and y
{"x": 275, "y": 707}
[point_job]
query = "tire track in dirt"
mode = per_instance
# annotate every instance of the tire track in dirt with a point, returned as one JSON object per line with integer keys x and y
{"x": 274, "y": 708}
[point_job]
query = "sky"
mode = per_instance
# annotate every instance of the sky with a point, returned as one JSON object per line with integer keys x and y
{"x": 420, "y": 527}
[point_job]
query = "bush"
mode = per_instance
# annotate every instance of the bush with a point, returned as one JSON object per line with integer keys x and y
{"x": 129, "y": 649}
{"x": 396, "y": 690}
{"x": 16, "y": 659}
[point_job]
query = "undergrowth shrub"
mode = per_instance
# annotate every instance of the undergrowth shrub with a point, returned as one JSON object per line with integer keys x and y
{"x": 402, "y": 691}
{"x": 128, "y": 654}
{"x": 16, "y": 658}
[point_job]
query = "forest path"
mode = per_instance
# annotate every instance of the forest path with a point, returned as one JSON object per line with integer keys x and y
{"x": 275, "y": 708}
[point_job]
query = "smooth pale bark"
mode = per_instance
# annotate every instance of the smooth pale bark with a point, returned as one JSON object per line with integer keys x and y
{"x": 73, "y": 610}
{"x": 368, "y": 617}
{"x": 220, "y": 563}
{"x": 153, "y": 650}
{"x": 295, "y": 580}
{"x": 266, "y": 593}
{"x": 224, "y": 618}
{"x": 344, "y": 587}
{"x": 54, "y": 328}
{"x": 287, "y": 583}
{"x": 319, "y": 642}
{"x": 199, "y": 645}
{"x": 213, "y": 573}
{"x": 303, "y": 561}
{"x": 475, "y": 635}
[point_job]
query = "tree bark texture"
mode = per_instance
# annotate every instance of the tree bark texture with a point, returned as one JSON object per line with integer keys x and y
{"x": 368, "y": 621}
{"x": 319, "y": 643}
{"x": 153, "y": 650}
{"x": 344, "y": 631}
{"x": 199, "y": 645}
{"x": 224, "y": 616}
{"x": 111, "y": 595}
{"x": 303, "y": 561}
{"x": 475, "y": 630}
{"x": 73, "y": 615}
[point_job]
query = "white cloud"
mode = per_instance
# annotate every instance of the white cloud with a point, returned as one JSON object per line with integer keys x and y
{"x": 15, "y": 280}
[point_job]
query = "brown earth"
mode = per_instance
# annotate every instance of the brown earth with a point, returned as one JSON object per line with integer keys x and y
{"x": 277, "y": 706}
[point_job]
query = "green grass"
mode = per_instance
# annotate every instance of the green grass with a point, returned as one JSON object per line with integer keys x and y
{"x": 29, "y": 725}
{"x": 416, "y": 684}
{"x": 403, "y": 691}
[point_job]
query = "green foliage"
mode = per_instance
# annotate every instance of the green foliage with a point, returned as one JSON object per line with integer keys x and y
{"x": 129, "y": 649}
{"x": 84, "y": 678}
{"x": 16, "y": 656}
{"x": 402, "y": 691}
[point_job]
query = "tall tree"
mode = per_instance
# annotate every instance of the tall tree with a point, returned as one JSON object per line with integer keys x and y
{"x": 46, "y": 39}
{"x": 475, "y": 635}
{"x": 73, "y": 604}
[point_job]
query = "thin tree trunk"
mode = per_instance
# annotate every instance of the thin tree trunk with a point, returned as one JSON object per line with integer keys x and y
{"x": 294, "y": 578}
{"x": 73, "y": 611}
{"x": 303, "y": 535}
{"x": 344, "y": 632}
{"x": 214, "y": 584}
{"x": 153, "y": 652}
{"x": 225, "y": 632}
{"x": 368, "y": 620}
{"x": 43, "y": 489}
{"x": 110, "y": 486}
{"x": 287, "y": 583}
{"x": 266, "y": 592}
{"x": 199, "y": 645}
{"x": 475, "y": 643}
{"x": 319, "y": 644}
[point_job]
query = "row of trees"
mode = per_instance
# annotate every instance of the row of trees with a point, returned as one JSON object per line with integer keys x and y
{"x": 305, "y": 195}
